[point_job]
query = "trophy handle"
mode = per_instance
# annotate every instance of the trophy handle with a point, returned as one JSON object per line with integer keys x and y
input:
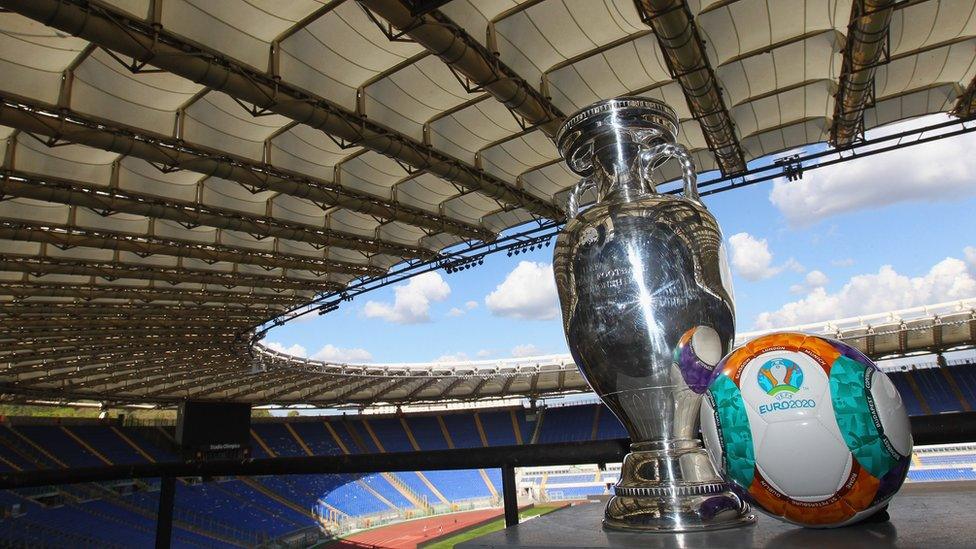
{"x": 656, "y": 155}
{"x": 572, "y": 202}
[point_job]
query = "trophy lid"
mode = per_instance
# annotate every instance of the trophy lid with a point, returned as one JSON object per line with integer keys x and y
{"x": 621, "y": 116}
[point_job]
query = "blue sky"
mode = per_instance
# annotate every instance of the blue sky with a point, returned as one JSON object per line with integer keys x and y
{"x": 866, "y": 236}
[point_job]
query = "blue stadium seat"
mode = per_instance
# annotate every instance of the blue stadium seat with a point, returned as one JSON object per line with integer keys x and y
{"x": 965, "y": 376}
{"x": 570, "y": 479}
{"x": 912, "y": 404}
{"x": 459, "y": 485}
{"x": 317, "y": 437}
{"x": 427, "y": 432}
{"x": 56, "y": 442}
{"x": 147, "y": 440}
{"x": 342, "y": 428}
{"x": 352, "y": 499}
{"x": 567, "y": 423}
{"x": 277, "y": 437}
{"x": 609, "y": 426}
{"x": 412, "y": 480}
{"x": 947, "y": 459}
{"x": 936, "y": 391}
{"x": 498, "y": 427}
{"x": 385, "y": 489}
{"x": 462, "y": 429}
{"x": 941, "y": 475}
{"x": 576, "y": 492}
{"x": 107, "y": 443}
{"x": 391, "y": 434}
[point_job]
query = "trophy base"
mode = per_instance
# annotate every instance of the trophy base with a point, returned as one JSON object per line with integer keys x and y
{"x": 673, "y": 490}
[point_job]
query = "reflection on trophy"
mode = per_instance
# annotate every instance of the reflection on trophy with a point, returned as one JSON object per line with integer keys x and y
{"x": 647, "y": 309}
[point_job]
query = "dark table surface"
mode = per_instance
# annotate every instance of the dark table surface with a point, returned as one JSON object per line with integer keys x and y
{"x": 930, "y": 515}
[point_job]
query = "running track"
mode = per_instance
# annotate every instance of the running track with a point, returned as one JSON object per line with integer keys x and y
{"x": 406, "y": 535}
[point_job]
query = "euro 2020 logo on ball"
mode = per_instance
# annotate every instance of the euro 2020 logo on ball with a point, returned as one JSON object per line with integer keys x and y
{"x": 781, "y": 378}
{"x": 780, "y": 374}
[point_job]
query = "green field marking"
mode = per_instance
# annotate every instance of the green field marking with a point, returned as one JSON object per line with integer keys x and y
{"x": 493, "y": 526}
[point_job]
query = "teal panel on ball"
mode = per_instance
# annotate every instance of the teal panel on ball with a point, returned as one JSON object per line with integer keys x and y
{"x": 734, "y": 431}
{"x": 856, "y": 417}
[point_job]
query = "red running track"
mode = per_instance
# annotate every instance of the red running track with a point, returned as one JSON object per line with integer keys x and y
{"x": 406, "y": 535}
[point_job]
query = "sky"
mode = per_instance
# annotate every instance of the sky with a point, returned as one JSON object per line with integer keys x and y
{"x": 870, "y": 235}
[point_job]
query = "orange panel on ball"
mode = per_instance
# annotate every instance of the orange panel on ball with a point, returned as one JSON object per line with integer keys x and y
{"x": 821, "y": 351}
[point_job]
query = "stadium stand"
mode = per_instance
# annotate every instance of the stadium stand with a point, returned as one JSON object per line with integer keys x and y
{"x": 248, "y": 511}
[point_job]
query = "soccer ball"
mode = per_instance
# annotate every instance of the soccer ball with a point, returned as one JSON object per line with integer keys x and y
{"x": 806, "y": 428}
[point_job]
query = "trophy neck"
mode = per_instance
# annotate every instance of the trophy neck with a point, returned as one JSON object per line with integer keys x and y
{"x": 619, "y": 162}
{"x": 608, "y": 142}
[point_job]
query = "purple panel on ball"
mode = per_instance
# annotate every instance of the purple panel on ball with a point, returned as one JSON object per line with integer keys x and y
{"x": 892, "y": 480}
{"x": 696, "y": 373}
{"x": 852, "y": 353}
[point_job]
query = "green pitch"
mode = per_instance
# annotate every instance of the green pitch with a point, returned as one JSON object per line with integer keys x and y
{"x": 492, "y": 526}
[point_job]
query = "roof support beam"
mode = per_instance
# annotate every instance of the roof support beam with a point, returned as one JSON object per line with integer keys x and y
{"x": 272, "y": 379}
{"x": 320, "y": 390}
{"x": 85, "y": 330}
{"x": 38, "y": 266}
{"x": 40, "y": 349}
{"x": 867, "y": 41}
{"x": 64, "y": 322}
{"x": 465, "y": 55}
{"x": 108, "y": 361}
{"x": 146, "y": 369}
{"x": 70, "y": 237}
{"x": 476, "y": 392}
{"x": 41, "y": 336}
{"x": 115, "y": 30}
{"x": 390, "y": 388}
{"x": 453, "y": 385}
{"x": 204, "y": 387}
{"x": 61, "y": 124}
{"x": 121, "y": 310}
{"x": 104, "y": 199}
{"x": 688, "y": 63}
{"x": 363, "y": 386}
{"x": 211, "y": 384}
{"x": 282, "y": 389}
{"x": 93, "y": 353}
{"x": 206, "y": 370}
{"x": 83, "y": 291}
{"x": 100, "y": 373}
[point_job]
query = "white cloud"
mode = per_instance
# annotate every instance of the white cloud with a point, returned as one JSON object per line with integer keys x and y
{"x": 879, "y": 292}
{"x": 331, "y": 353}
{"x": 528, "y": 293}
{"x": 752, "y": 259}
{"x": 814, "y": 279}
{"x": 412, "y": 300}
{"x": 846, "y": 262}
{"x": 933, "y": 172}
{"x": 455, "y": 357}
{"x": 457, "y": 311}
{"x": 521, "y": 351}
{"x": 484, "y": 353}
{"x": 970, "y": 253}
{"x": 294, "y": 350}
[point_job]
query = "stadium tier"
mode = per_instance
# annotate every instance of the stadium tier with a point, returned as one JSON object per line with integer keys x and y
{"x": 248, "y": 511}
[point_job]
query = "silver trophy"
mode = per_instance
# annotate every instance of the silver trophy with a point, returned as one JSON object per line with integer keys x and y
{"x": 647, "y": 308}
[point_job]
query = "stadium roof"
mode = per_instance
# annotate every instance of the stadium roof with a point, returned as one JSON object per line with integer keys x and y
{"x": 175, "y": 172}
